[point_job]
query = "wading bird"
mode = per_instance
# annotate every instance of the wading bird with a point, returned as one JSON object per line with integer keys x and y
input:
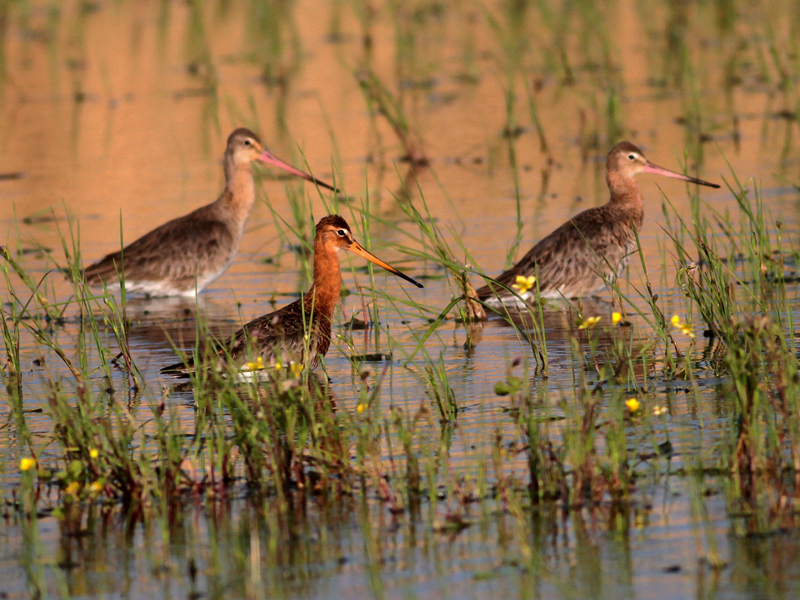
{"x": 183, "y": 256}
{"x": 576, "y": 259}
{"x": 299, "y": 332}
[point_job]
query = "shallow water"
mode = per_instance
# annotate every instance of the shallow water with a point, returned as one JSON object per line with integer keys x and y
{"x": 115, "y": 115}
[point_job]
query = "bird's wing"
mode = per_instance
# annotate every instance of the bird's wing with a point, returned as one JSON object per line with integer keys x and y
{"x": 279, "y": 335}
{"x": 175, "y": 251}
{"x": 569, "y": 257}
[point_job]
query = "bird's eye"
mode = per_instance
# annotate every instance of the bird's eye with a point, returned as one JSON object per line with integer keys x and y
{"x": 341, "y": 233}
{"x": 632, "y": 156}
{"x": 247, "y": 143}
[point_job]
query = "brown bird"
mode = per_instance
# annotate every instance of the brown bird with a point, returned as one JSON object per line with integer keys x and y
{"x": 575, "y": 259}
{"x": 299, "y": 332}
{"x": 183, "y": 256}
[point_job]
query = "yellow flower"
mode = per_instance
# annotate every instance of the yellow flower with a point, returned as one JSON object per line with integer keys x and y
{"x": 524, "y": 283}
{"x": 589, "y": 322}
{"x": 95, "y": 487}
{"x": 278, "y": 365}
{"x": 615, "y": 318}
{"x": 26, "y": 464}
{"x": 659, "y": 410}
{"x": 73, "y": 489}
{"x": 360, "y": 408}
{"x": 685, "y": 328}
{"x": 633, "y": 404}
{"x": 94, "y": 453}
{"x": 256, "y": 365}
{"x": 296, "y": 368}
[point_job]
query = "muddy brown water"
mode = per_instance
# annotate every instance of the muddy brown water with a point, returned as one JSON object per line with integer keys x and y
{"x": 117, "y": 112}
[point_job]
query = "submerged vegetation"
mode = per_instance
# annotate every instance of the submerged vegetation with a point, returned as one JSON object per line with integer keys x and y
{"x": 526, "y": 442}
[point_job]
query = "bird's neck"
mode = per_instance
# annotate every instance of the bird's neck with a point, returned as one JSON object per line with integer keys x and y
{"x": 240, "y": 191}
{"x": 625, "y": 195}
{"x": 324, "y": 294}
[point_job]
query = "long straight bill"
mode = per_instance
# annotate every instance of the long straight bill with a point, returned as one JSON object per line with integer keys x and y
{"x": 356, "y": 247}
{"x": 651, "y": 168}
{"x": 270, "y": 159}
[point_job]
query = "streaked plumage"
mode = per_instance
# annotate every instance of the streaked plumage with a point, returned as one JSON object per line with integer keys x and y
{"x": 183, "y": 256}
{"x": 569, "y": 261}
{"x": 280, "y": 336}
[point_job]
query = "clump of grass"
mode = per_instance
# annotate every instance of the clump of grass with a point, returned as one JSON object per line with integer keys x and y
{"x": 470, "y": 309}
{"x": 440, "y": 392}
{"x": 10, "y": 321}
{"x": 732, "y": 271}
{"x": 276, "y": 42}
{"x": 381, "y": 99}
